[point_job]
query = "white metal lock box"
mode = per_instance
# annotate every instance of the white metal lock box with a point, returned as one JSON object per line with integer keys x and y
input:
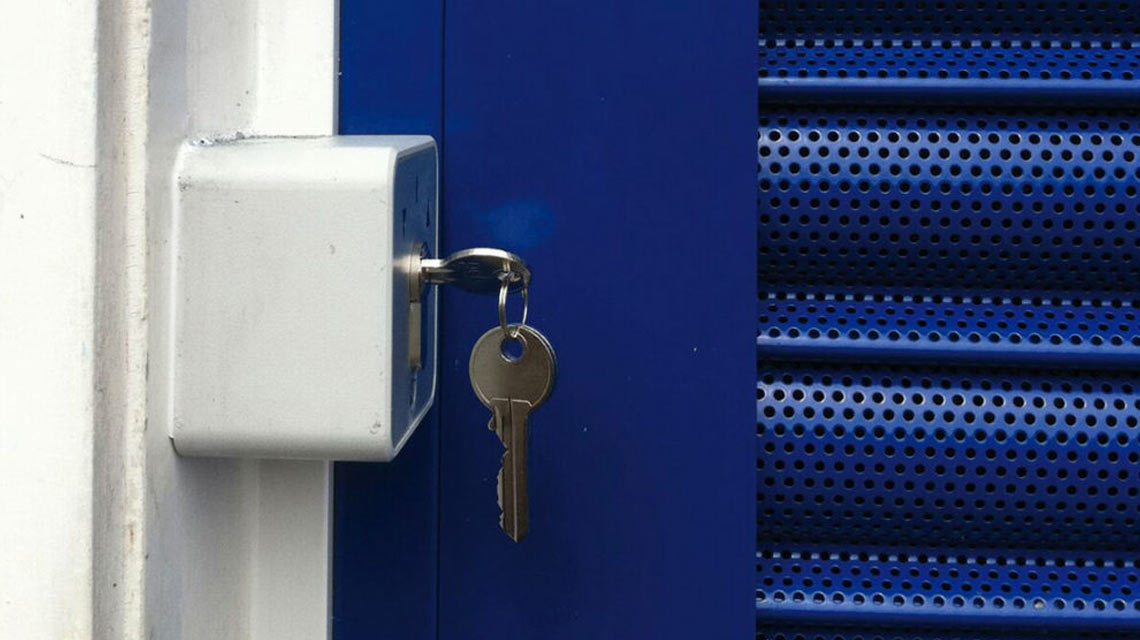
{"x": 294, "y": 331}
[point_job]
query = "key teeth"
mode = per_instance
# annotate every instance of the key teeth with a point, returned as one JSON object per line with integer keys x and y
{"x": 493, "y": 425}
{"x": 499, "y": 492}
{"x": 502, "y": 512}
{"x": 496, "y": 426}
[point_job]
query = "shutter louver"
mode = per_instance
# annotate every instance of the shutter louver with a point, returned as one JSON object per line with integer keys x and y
{"x": 948, "y": 396}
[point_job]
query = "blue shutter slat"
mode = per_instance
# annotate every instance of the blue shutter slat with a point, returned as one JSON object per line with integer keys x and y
{"x": 1035, "y": 203}
{"x": 949, "y": 72}
{"x": 1015, "y": 21}
{"x": 899, "y": 327}
{"x": 1066, "y": 590}
{"x": 802, "y": 631}
{"x": 1031, "y": 460}
{"x": 786, "y": 89}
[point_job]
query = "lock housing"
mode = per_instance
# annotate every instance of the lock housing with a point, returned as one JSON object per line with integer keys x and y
{"x": 291, "y": 312}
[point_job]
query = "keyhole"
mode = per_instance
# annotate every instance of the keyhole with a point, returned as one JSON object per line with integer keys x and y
{"x": 511, "y": 348}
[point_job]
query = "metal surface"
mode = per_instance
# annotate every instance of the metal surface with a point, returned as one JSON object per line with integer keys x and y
{"x": 807, "y": 631}
{"x": 478, "y": 270}
{"x": 954, "y": 326}
{"x": 1038, "y": 205}
{"x": 1045, "y": 53}
{"x": 1061, "y": 591}
{"x": 512, "y": 387}
{"x": 266, "y": 234}
{"x": 415, "y": 306}
{"x": 504, "y": 289}
{"x": 582, "y": 135}
{"x": 592, "y": 136}
{"x": 528, "y": 377}
{"x": 947, "y": 405}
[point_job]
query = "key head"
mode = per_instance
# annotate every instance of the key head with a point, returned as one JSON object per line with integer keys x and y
{"x": 529, "y": 377}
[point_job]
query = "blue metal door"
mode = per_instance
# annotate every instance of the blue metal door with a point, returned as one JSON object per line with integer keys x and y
{"x": 611, "y": 144}
{"x": 948, "y": 250}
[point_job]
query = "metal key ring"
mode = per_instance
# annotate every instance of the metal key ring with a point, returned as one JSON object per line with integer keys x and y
{"x": 505, "y": 279}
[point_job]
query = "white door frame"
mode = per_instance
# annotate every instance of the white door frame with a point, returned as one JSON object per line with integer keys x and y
{"x": 106, "y": 532}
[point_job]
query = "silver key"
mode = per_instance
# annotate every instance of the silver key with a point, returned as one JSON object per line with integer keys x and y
{"x": 511, "y": 388}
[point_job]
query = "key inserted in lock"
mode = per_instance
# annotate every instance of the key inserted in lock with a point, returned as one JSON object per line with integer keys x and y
{"x": 480, "y": 270}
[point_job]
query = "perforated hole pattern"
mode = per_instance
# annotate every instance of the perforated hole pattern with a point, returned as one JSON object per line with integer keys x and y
{"x": 946, "y": 60}
{"x": 1070, "y": 20}
{"x": 1086, "y": 590}
{"x": 948, "y": 409}
{"x": 926, "y": 199}
{"x": 800, "y": 633}
{"x": 1033, "y": 49}
{"x": 919, "y": 456}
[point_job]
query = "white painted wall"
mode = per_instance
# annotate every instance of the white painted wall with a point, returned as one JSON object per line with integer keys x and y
{"x": 47, "y": 294}
{"x": 104, "y": 531}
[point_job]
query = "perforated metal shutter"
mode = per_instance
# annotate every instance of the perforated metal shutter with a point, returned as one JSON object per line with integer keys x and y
{"x": 948, "y": 403}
